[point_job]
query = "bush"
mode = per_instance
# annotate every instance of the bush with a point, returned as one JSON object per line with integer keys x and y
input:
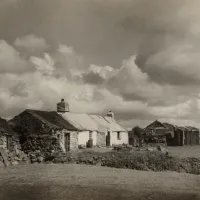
{"x": 146, "y": 161}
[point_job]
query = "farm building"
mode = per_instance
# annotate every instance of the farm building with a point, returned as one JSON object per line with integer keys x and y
{"x": 191, "y": 135}
{"x": 44, "y": 131}
{"x": 156, "y": 132}
{"x": 64, "y": 130}
{"x": 9, "y": 139}
{"x": 177, "y": 134}
{"x": 174, "y": 135}
{"x": 182, "y": 135}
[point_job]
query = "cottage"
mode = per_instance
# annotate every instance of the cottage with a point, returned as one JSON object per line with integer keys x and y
{"x": 64, "y": 130}
{"x": 44, "y": 131}
{"x": 103, "y": 130}
{"x": 9, "y": 139}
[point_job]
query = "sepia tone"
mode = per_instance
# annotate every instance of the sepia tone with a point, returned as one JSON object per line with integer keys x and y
{"x": 99, "y": 99}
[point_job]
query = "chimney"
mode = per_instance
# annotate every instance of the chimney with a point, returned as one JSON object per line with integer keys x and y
{"x": 62, "y": 106}
{"x": 110, "y": 114}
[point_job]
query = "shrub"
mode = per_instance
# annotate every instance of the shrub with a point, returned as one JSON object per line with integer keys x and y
{"x": 154, "y": 161}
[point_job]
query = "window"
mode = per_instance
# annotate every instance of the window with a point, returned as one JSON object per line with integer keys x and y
{"x": 118, "y": 136}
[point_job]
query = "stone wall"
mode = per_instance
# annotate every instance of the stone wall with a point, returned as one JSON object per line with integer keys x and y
{"x": 14, "y": 142}
{"x": 3, "y": 142}
{"x": 101, "y": 139}
{"x": 73, "y": 144}
{"x": 44, "y": 144}
{"x": 73, "y": 140}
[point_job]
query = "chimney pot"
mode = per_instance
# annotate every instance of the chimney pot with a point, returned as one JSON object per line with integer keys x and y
{"x": 62, "y": 106}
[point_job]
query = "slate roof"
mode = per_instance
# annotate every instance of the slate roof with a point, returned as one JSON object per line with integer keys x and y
{"x": 5, "y": 128}
{"x": 108, "y": 123}
{"x": 52, "y": 118}
{"x": 75, "y": 121}
{"x": 92, "y": 122}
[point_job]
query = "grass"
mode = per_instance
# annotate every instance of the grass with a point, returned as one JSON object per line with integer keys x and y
{"x": 185, "y": 151}
{"x": 60, "y": 182}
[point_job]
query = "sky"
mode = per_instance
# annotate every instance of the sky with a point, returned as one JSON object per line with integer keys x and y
{"x": 138, "y": 58}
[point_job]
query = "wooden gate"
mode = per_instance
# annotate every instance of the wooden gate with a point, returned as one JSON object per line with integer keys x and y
{"x": 67, "y": 141}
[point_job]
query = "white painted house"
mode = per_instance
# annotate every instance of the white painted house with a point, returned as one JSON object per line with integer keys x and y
{"x": 104, "y": 130}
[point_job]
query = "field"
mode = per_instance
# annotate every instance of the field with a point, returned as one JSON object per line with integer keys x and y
{"x": 81, "y": 182}
{"x": 185, "y": 151}
{"x": 180, "y": 151}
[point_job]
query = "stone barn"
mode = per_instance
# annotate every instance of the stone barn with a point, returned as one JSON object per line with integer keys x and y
{"x": 180, "y": 136}
{"x": 44, "y": 131}
{"x": 156, "y": 132}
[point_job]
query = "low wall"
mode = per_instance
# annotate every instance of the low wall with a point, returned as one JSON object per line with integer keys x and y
{"x": 44, "y": 144}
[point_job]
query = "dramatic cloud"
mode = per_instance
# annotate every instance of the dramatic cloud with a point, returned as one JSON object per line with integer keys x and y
{"x": 83, "y": 51}
{"x": 11, "y": 61}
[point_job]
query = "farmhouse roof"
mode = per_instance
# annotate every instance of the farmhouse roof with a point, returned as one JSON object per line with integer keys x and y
{"x": 52, "y": 118}
{"x": 74, "y": 121}
{"x": 156, "y": 125}
{"x": 108, "y": 122}
{"x": 92, "y": 122}
{"x": 5, "y": 128}
{"x": 191, "y": 128}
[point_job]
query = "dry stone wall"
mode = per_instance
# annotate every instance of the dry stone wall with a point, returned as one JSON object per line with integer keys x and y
{"x": 3, "y": 142}
{"x": 73, "y": 141}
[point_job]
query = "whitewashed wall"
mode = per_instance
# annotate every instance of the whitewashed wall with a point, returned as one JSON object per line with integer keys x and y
{"x": 116, "y": 141}
{"x": 83, "y": 137}
{"x": 94, "y": 137}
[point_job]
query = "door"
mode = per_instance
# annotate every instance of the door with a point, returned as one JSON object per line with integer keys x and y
{"x": 9, "y": 142}
{"x": 67, "y": 141}
{"x": 108, "y": 139}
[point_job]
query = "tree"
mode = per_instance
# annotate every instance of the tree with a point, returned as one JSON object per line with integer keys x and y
{"x": 137, "y": 131}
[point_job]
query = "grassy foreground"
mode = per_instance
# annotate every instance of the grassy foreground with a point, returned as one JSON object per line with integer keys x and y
{"x": 81, "y": 182}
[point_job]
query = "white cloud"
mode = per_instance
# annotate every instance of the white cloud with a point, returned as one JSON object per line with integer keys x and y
{"x": 184, "y": 59}
{"x": 44, "y": 65}
{"x": 128, "y": 91}
{"x": 132, "y": 83}
{"x": 31, "y": 43}
{"x": 11, "y": 61}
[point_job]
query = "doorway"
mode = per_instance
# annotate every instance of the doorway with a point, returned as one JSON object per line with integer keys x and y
{"x": 67, "y": 141}
{"x": 8, "y": 142}
{"x": 108, "y": 139}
